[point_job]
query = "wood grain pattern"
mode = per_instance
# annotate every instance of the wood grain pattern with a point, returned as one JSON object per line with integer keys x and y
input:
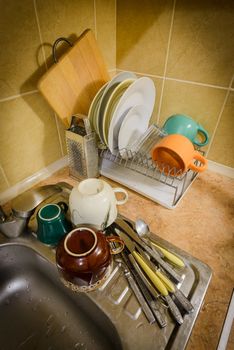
{"x": 70, "y": 85}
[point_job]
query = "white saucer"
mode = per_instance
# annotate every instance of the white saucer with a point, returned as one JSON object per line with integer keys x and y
{"x": 135, "y": 123}
{"x": 141, "y": 92}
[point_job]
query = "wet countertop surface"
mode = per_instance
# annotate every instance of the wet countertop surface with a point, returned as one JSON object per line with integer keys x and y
{"x": 202, "y": 225}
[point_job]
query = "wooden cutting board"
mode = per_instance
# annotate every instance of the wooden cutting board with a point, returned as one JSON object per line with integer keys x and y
{"x": 70, "y": 85}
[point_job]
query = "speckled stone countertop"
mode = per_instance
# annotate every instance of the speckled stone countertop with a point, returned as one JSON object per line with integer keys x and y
{"x": 202, "y": 225}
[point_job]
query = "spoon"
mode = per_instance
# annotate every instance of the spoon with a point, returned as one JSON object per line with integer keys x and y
{"x": 143, "y": 232}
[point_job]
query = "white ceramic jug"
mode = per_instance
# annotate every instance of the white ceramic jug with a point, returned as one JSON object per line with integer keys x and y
{"x": 93, "y": 201}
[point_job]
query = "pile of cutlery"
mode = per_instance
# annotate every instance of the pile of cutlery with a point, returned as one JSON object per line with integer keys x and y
{"x": 149, "y": 270}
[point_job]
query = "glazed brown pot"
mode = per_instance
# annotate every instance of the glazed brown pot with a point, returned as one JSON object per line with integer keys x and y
{"x": 84, "y": 257}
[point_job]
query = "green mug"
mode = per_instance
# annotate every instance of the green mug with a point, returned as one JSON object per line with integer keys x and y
{"x": 52, "y": 223}
{"x": 184, "y": 125}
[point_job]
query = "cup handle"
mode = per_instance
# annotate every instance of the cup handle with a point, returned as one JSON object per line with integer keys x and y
{"x": 63, "y": 206}
{"x": 121, "y": 190}
{"x": 113, "y": 249}
{"x": 202, "y": 159}
{"x": 205, "y": 134}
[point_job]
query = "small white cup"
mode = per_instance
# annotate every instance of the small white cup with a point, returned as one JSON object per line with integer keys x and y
{"x": 93, "y": 201}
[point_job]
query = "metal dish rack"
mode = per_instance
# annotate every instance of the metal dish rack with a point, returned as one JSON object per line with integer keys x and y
{"x": 135, "y": 169}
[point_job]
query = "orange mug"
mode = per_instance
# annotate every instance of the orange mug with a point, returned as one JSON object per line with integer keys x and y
{"x": 175, "y": 154}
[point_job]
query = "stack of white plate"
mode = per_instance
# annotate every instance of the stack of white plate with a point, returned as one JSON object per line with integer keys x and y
{"x": 121, "y": 110}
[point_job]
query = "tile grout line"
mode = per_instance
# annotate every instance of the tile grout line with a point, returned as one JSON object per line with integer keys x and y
{"x": 197, "y": 83}
{"x": 220, "y": 115}
{"x": 18, "y": 95}
{"x": 40, "y": 34}
{"x": 180, "y": 80}
{"x": 144, "y": 74}
{"x": 59, "y": 136}
{"x": 95, "y": 17}
{"x": 166, "y": 61}
{"x": 44, "y": 57}
{"x": 115, "y": 35}
{"x": 4, "y": 176}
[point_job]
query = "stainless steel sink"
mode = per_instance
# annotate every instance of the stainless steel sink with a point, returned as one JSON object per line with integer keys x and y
{"x": 37, "y": 312}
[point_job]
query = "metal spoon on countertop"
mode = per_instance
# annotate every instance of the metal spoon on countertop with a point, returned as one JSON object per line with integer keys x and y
{"x": 143, "y": 231}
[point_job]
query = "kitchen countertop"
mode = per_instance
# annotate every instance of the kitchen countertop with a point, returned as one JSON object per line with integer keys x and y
{"x": 202, "y": 225}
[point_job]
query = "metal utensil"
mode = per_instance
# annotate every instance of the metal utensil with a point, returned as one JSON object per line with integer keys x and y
{"x": 145, "y": 307}
{"x": 171, "y": 305}
{"x": 171, "y": 287}
{"x": 152, "y": 302}
{"x": 143, "y": 231}
{"x": 126, "y": 228}
{"x": 142, "y": 262}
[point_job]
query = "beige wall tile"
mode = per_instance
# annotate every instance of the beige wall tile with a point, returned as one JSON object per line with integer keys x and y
{"x": 28, "y": 138}
{"x": 201, "y": 103}
{"x": 3, "y": 182}
{"x": 222, "y": 147}
{"x": 106, "y": 30}
{"x": 202, "y": 47}
{"x": 19, "y": 42}
{"x": 63, "y": 19}
{"x": 61, "y": 130}
{"x": 142, "y": 35}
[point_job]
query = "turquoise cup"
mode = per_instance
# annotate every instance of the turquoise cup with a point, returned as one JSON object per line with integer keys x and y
{"x": 184, "y": 125}
{"x": 52, "y": 223}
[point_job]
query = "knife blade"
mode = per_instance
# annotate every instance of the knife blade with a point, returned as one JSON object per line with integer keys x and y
{"x": 131, "y": 233}
{"x": 172, "y": 288}
{"x": 171, "y": 305}
{"x": 165, "y": 253}
{"x": 143, "y": 263}
{"x": 153, "y": 303}
{"x": 137, "y": 292}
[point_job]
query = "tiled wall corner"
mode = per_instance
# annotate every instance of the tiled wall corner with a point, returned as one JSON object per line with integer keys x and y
{"x": 142, "y": 35}
{"x": 202, "y": 103}
{"x": 222, "y": 148}
{"x": 32, "y": 137}
{"x": 189, "y": 47}
{"x": 106, "y": 30}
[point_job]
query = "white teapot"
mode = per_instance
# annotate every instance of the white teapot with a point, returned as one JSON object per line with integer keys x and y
{"x": 93, "y": 201}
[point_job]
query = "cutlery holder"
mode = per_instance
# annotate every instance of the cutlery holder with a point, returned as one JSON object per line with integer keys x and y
{"x": 82, "y": 155}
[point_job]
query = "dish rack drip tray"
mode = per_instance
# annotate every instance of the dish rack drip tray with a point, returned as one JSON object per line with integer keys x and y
{"x": 137, "y": 171}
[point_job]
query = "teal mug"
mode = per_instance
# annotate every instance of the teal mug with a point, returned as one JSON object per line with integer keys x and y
{"x": 52, "y": 223}
{"x": 184, "y": 125}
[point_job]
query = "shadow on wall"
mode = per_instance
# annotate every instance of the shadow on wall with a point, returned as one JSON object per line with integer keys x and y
{"x": 43, "y": 66}
{"x": 202, "y": 32}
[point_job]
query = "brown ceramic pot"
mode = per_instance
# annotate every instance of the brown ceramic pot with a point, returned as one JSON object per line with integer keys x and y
{"x": 83, "y": 257}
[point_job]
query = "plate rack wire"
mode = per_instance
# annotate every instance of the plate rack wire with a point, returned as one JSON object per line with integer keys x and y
{"x": 135, "y": 169}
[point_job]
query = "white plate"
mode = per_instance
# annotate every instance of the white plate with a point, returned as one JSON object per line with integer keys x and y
{"x": 141, "y": 92}
{"x": 112, "y": 102}
{"x": 135, "y": 123}
{"x": 105, "y": 97}
{"x": 92, "y": 108}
